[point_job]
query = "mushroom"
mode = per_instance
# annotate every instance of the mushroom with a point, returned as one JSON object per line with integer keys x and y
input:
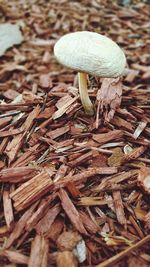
{"x": 90, "y": 53}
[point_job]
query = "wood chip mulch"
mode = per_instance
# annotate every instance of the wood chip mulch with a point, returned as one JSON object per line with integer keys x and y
{"x": 74, "y": 189}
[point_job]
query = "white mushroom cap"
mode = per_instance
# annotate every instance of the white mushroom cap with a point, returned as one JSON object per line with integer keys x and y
{"x": 91, "y": 53}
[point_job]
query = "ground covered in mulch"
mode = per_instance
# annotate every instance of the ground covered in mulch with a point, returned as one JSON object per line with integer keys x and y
{"x": 74, "y": 189}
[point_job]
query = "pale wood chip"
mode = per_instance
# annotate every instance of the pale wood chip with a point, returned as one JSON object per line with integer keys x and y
{"x": 139, "y": 129}
{"x": 45, "y": 81}
{"x": 63, "y": 101}
{"x": 39, "y": 252}
{"x": 8, "y": 210}
{"x": 4, "y": 231}
{"x": 66, "y": 258}
{"x": 93, "y": 201}
{"x": 15, "y": 257}
{"x": 63, "y": 109}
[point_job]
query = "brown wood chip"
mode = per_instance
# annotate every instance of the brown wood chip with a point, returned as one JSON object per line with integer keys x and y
{"x": 71, "y": 211}
{"x": 31, "y": 190}
{"x": 45, "y": 223}
{"x": 19, "y": 226}
{"x": 119, "y": 208}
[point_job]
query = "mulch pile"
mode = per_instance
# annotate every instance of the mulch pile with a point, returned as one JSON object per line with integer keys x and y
{"x": 74, "y": 189}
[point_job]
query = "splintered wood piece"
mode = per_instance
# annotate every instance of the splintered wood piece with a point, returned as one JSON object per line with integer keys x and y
{"x": 58, "y": 132}
{"x": 135, "y": 153}
{"x": 64, "y": 108}
{"x": 83, "y": 176}
{"x": 16, "y": 143}
{"x": 15, "y": 257}
{"x": 10, "y": 132}
{"x": 71, "y": 211}
{"x": 3, "y": 144}
{"x": 20, "y": 226}
{"x": 37, "y": 215}
{"x": 81, "y": 159}
{"x": 66, "y": 258}
{"x": 109, "y": 97}
{"x": 31, "y": 190}
{"x": 26, "y": 157}
{"x": 45, "y": 223}
{"x": 55, "y": 229}
{"x": 118, "y": 178}
{"x": 119, "y": 208}
{"x": 136, "y": 226}
{"x": 18, "y": 174}
{"x": 118, "y": 121}
{"x": 72, "y": 189}
{"x": 61, "y": 172}
{"x": 8, "y": 210}
{"x": 5, "y": 121}
{"x": 107, "y": 137}
{"x": 63, "y": 101}
{"x": 89, "y": 224}
{"x": 39, "y": 252}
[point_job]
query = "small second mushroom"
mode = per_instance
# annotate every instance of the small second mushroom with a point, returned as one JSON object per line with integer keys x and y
{"x": 90, "y": 53}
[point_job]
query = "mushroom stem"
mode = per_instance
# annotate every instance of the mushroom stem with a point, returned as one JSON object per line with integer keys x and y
{"x": 85, "y": 100}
